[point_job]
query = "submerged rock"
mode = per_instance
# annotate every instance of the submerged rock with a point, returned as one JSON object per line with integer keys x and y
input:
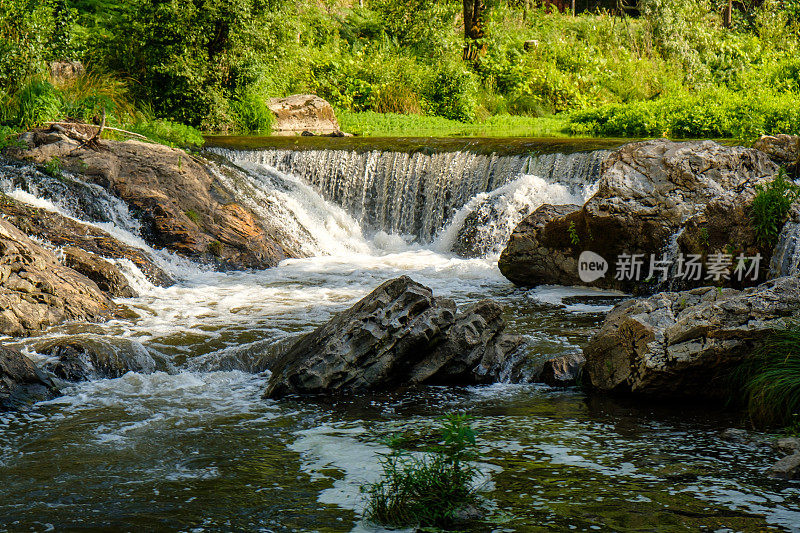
{"x": 646, "y": 194}
{"x": 83, "y": 358}
{"x": 36, "y": 291}
{"x": 398, "y": 335}
{"x": 182, "y": 204}
{"x": 683, "y": 344}
{"x": 21, "y": 383}
{"x": 303, "y": 114}
{"x": 787, "y": 467}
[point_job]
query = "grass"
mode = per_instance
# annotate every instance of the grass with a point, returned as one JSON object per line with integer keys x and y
{"x": 430, "y": 490}
{"x": 770, "y": 379}
{"x": 372, "y": 124}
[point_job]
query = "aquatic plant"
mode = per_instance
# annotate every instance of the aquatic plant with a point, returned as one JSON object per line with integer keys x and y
{"x": 430, "y": 489}
{"x": 770, "y": 379}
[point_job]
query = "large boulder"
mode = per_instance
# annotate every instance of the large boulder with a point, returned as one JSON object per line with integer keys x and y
{"x": 62, "y": 231}
{"x": 183, "y": 204}
{"x": 301, "y": 113}
{"x": 783, "y": 149}
{"x": 36, "y": 291}
{"x": 398, "y": 335}
{"x": 21, "y": 383}
{"x": 647, "y": 192}
{"x": 684, "y": 344}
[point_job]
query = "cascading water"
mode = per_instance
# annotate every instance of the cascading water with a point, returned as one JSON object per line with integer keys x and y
{"x": 419, "y": 194}
{"x": 193, "y": 446}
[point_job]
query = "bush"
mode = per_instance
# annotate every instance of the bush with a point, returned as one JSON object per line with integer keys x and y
{"x": 426, "y": 491}
{"x": 771, "y": 206}
{"x": 452, "y": 92}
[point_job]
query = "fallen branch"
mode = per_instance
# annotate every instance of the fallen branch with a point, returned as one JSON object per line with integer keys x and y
{"x": 132, "y": 134}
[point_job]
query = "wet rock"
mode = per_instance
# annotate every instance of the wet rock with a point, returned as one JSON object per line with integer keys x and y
{"x": 783, "y": 149}
{"x": 789, "y": 445}
{"x": 106, "y": 275}
{"x": 528, "y": 260}
{"x": 36, "y": 291}
{"x": 399, "y": 335}
{"x": 647, "y": 191}
{"x": 683, "y": 344}
{"x": 21, "y": 383}
{"x": 787, "y": 467}
{"x": 183, "y": 205}
{"x": 83, "y": 358}
{"x": 62, "y": 231}
{"x": 562, "y": 371}
{"x": 303, "y": 114}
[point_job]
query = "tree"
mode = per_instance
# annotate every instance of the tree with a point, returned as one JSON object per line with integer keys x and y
{"x": 473, "y": 29}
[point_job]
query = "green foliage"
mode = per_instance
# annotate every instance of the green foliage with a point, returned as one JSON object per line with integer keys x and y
{"x": 193, "y": 215}
{"x": 770, "y": 379}
{"x": 574, "y": 238}
{"x": 53, "y": 168}
{"x": 429, "y": 490}
{"x": 771, "y": 206}
{"x": 37, "y": 102}
{"x": 167, "y": 132}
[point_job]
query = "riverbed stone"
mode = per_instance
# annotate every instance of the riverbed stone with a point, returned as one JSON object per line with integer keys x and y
{"x": 36, "y": 291}
{"x": 106, "y": 275}
{"x": 21, "y": 382}
{"x": 399, "y": 335}
{"x": 646, "y": 193}
{"x": 784, "y": 149}
{"x": 684, "y": 344}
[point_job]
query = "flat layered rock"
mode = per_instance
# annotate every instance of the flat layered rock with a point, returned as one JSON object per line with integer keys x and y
{"x": 36, "y": 291}
{"x": 301, "y": 113}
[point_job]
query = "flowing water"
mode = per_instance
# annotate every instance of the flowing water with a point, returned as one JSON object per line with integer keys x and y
{"x": 194, "y": 447}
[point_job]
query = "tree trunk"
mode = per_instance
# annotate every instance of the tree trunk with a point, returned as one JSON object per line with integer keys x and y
{"x": 473, "y": 29}
{"x": 572, "y": 7}
{"x": 727, "y": 20}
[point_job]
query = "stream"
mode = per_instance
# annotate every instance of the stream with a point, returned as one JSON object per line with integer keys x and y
{"x": 194, "y": 447}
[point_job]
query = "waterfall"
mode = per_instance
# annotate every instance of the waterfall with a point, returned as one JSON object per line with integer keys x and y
{"x": 418, "y": 194}
{"x": 786, "y": 257}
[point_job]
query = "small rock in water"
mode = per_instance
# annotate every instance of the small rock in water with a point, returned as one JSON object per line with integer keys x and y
{"x": 787, "y": 468}
{"x": 788, "y": 445}
{"x": 21, "y": 383}
{"x": 398, "y": 335}
{"x": 86, "y": 358}
{"x": 562, "y": 371}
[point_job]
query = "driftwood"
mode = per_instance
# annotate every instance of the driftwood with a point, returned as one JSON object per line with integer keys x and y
{"x": 102, "y": 128}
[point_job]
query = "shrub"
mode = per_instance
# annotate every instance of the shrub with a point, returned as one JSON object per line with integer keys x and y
{"x": 252, "y": 115}
{"x": 39, "y": 101}
{"x": 426, "y": 491}
{"x": 770, "y": 379}
{"x": 167, "y": 132}
{"x": 771, "y": 206}
{"x": 452, "y": 92}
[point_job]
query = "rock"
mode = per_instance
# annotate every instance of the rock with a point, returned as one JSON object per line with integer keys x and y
{"x": 61, "y": 71}
{"x": 646, "y": 193}
{"x": 21, "y": 383}
{"x": 562, "y": 371}
{"x": 398, "y": 335}
{"x": 683, "y": 344}
{"x": 183, "y": 205}
{"x": 62, "y": 231}
{"x": 106, "y": 275}
{"x": 303, "y": 114}
{"x": 783, "y": 149}
{"x": 36, "y": 291}
{"x": 786, "y": 256}
{"x": 84, "y": 358}
{"x": 527, "y": 259}
{"x": 789, "y": 445}
{"x": 787, "y": 468}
